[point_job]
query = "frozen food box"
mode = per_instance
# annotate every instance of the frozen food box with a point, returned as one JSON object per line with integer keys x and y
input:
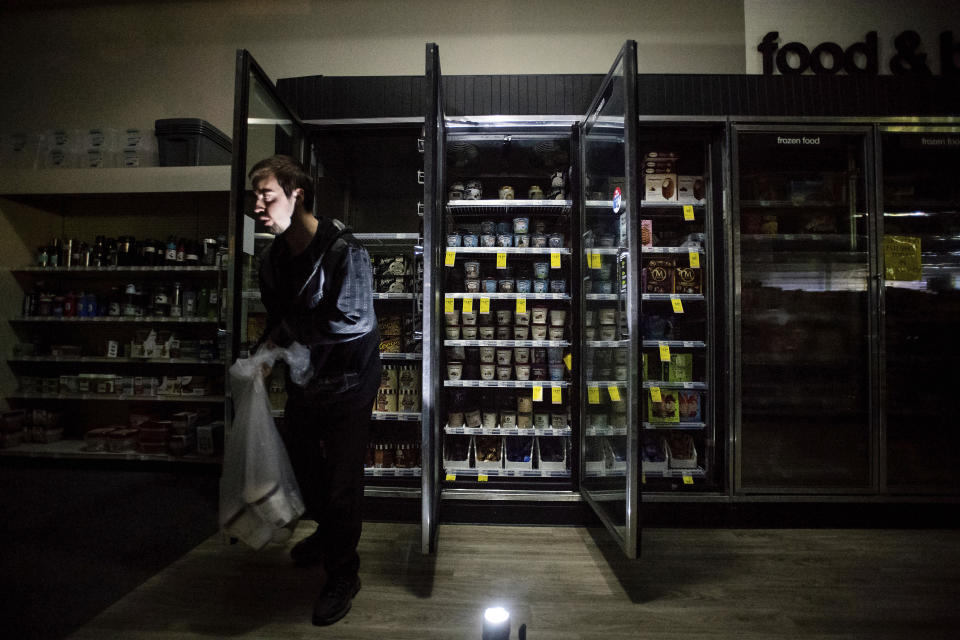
{"x": 667, "y": 410}
{"x": 660, "y": 187}
{"x": 691, "y": 190}
{"x": 661, "y": 272}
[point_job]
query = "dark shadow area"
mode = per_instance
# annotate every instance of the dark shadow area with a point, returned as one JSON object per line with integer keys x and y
{"x": 74, "y": 538}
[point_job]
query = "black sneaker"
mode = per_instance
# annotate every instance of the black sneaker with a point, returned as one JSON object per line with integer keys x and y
{"x": 335, "y": 600}
{"x": 308, "y": 551}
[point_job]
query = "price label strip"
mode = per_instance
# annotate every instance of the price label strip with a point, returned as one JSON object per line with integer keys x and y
{"x": 568, "y": 360}
{"x": 448, "y": 305}
{"x": 538, "y": 393}
{"x": 482, "y": 477}
{"x": 451, "y": 477}
{"x": 687, "y": 478}
{"x": 484, "y": 304}
{"x": 468, "y": 305}
{"x": 501, "y": 260}
{"x": 554, "y": 259}
{"x": 655, "y": 394}
{"x": 675, "y": 301}
{"x": 556, "y": 395}
{"x": 593, "y": 395}
{"x": 449, "y": 258}
{"x": 614, "y": 392}
{"x": 521, "y": 305}
{"x": 688, "y": 212}
{"x": 664, "y": 352}
{"x": 596, "y": 261}
{"x": 694, "y": 259}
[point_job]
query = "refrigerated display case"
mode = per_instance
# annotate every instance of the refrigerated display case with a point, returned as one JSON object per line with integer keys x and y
{"x": 682, "y": 444}
{"x": 920, "y": 240}
{"x": 803, "y": 222}
{"x": 508, "y": 323}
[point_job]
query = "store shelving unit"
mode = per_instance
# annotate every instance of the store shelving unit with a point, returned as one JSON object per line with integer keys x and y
{"x": 49, "y": 355}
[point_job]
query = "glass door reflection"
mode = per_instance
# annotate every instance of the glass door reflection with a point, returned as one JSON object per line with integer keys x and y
{"x": 610, "y": 305}
{"x": 802, "y": 250}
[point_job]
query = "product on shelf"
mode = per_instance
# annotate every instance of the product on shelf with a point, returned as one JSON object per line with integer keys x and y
{"x": 689, "y": 406}
{"x": 660, "y": 274}
{"x": 654, "y": 453}
{"x": 667, "y": 410}
{"x": 691, "y": 190}
{"x": 681, "y": 450}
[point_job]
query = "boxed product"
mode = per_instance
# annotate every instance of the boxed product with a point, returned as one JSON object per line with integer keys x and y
{"x": 183, "y": 421}
{"x": 689, "y": 403}
{"x": 488, "y": 452}
{"x": 687, "y": 280}
{"x": 210, "y": 438}
{"x": 169, "y": 386}
{"x": 660, "y": 187}
{"x": 679, "y": 369}
{"x": 661, "y": 272}
{"x": 646, "y": 233}
{"x": 519, "y": 452}
{"x": 691, "y": 190}
{"x": 392, "y": 284}
{"x": 386, "y": 266}
{"x": 182, "y": 443}
{"x": 653, "y": 453}
{"x": 681, "y": 451}
{"x": 552, "y": 453}
{"x": 667, "y": 410}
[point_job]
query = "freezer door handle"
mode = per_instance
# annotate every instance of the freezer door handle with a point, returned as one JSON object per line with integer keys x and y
{"x": 420, "y": 176}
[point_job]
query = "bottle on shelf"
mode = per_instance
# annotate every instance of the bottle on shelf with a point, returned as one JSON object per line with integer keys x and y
{"x": 170, "y": 256}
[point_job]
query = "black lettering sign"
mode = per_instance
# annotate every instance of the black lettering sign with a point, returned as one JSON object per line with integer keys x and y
{"x": 907, "y": 61}
{"x": 827, "y": 58}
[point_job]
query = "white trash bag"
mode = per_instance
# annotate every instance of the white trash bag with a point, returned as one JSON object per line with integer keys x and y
{"x": 260, "y": 501}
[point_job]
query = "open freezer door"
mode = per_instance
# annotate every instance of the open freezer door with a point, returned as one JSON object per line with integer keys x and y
{"x": 262, "y": 126}
{"x": 610, "y": 299}
{"x": 433, "y": 161}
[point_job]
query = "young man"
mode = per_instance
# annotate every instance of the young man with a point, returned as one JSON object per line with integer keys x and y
{"x": 316, "y": 283}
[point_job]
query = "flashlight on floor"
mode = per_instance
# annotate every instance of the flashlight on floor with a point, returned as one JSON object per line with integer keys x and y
{"x": 496, "y": 624}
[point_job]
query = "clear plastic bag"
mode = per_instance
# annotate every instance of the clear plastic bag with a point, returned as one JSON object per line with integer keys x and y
{"x": 260, "y": 501}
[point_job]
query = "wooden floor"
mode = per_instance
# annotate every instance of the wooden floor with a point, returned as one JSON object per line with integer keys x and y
{"x": 566, "y": 583}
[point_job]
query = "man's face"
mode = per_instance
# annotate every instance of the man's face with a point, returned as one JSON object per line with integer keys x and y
{"x": 272, "y": 206}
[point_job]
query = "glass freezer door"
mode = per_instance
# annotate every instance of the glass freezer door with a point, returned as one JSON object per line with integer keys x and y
{"x": 920, "y": 246}
{"x": 804, "y": 324}
{"x": 610, "y": 380}
{"x": 262, "y": 126}
{"x": 433, "y": 160}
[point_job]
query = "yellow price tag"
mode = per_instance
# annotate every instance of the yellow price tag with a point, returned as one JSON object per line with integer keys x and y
{"x": 614, "y": 392}
{"x": 556, "y": 396}
{"x": 481, "y": 477}
{"x": 593, "y": 395}
{"x": 655, "y": 394}
{"x": 568, "y": 360}
{"x": 676, "y": 302}
{"x": 484, "y": 304}
{"x": 538, "y": 394}
{"x": 521, "y": 305}
{"x": 467, "y": 305}
{"x": 687, "y": 479}
{"x": 688, "y": 212}
{"x": 694, "y": 259}
{"x": 501, "y": 260}
{"x": 451, "y": 477}
{"x": 664, "y": 352}
{"x": 596, "y": 262}
{"x": 450, "y": 257}
{"x": 448, "y": 305}
{"x": 554, "y": 259}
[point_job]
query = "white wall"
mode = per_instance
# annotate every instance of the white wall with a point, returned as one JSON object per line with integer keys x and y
{"x": 847, "y": 21}
{"x": 126, "y": 64}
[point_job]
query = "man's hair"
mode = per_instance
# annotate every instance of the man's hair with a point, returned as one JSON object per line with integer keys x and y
{"x": 289, "y": 173}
